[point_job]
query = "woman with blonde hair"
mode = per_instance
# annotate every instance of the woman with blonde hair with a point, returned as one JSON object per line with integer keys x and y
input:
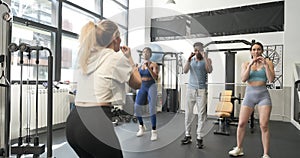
{"x": 101, "y": 76}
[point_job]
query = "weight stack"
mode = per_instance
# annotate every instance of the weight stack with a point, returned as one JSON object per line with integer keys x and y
{"x": 171, "y": 104}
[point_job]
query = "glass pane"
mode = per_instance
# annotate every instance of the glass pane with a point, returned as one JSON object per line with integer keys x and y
{"x": 91, "y": 5}
{"x": 73, "y": 19}
{"x": 41, "y": 11}
{"x": 33, "y": 37}
{"x": 123, "y": 35}
{"x": 124, "y": 2}
{"x": 114, "y": 12}
{"x": 68, "y": 57}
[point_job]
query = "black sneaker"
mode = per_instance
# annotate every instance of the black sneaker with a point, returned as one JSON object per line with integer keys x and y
{"x": 200, "y": 143}
{"x": 186, "y": 140}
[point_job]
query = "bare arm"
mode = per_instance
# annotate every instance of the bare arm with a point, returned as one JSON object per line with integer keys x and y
{"x": 269, "y": 70}
{"x": 245, "y": 72}
{"x": 186, "y": 67}
{"x": 153, "y": 69}
{"x": 135, "y": 79}
{"x": 269, "y": 67}
{"x": 208, "y": 65}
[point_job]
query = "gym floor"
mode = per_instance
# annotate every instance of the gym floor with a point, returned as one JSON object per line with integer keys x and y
{"x": 285, "y": 140}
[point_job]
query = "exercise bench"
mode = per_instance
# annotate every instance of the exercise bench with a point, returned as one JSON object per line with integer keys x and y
{"x": 224, "y": 109}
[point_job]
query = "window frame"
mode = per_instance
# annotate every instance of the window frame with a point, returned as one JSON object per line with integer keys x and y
{"x": 56, "y": 45}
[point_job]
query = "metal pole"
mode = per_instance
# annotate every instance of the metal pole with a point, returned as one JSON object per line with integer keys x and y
{"x": 20, "y": 139}
{"x": 7, "y": 95}
{"x": 36, "y": 138}
{"x": 230, "y": 73}
{"x": 50, "y": 105}
{"x": 164, "y": 93}
{"x": 176, "y": 92}
{"x": 230, "y": 70}
{"x": 7, "y": 17}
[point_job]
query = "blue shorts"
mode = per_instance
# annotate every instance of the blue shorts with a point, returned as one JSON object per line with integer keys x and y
{"x": 257, "y": 95}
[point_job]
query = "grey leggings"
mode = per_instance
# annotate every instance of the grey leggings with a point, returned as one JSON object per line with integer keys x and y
{"x": 257, "y": 95}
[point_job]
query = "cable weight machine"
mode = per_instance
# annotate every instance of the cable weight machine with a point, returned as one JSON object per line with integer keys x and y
{"x": 171, "y": 94}
{"x": 169, "y": 90}
{"x": 7, "y": 18}
{"x": 230, "y": 72}
{"x": 25, "y": 146}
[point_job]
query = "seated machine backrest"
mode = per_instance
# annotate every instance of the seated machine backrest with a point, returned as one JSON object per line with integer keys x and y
{"x": 225, "y": 105}
{"x": 224, "y": 110}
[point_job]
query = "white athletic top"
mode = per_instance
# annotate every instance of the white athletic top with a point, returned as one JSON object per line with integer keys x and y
{"x": 108, "y": 71}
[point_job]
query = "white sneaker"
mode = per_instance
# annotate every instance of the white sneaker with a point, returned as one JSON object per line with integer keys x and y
{"x": 265, "y": 156}
{"x": 236, "y": 152}
{"x": 141, "y": 131}
{"x": 153, "y": 135}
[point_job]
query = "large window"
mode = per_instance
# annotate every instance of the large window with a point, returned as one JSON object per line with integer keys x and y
{"x": 123, "y": 2}
{"x": 123, "y": 35}
{"x": 32, "y": 36}
{"x": 41, "y": 11}
{"x": 92, "y": 5}
{"x": 42, "y": 23}
{"x": 115, "y": 12}
{"x": 69, "y": 57}
{"x": 73, "y": 19}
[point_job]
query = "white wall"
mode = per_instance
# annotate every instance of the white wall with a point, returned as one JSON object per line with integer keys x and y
{"x": 159, "y": 8}
{"x": 194, "y": 6}
{"x": 291, "y": 44}
{"x": 291, "y": 39}
{"x": 137, "y": 25}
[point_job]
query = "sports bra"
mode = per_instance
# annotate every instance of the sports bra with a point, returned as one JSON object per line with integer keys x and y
{"x": 258, "y": 75}
{"x": 144, "y": 73}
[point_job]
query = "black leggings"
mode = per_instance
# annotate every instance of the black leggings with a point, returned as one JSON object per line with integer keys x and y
{"x": 91, "y": 134}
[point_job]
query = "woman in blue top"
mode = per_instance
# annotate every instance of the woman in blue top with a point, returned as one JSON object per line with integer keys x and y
{"x": 148, "y": 92}
{"x": 257, "y": 73}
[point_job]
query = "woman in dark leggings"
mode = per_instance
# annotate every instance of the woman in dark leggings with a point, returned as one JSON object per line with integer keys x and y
{"x": 101, "y": 77}
{"x": 91, "y": 134}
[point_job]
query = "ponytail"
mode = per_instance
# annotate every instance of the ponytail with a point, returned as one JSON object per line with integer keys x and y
{"x": 87, "y": 40}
